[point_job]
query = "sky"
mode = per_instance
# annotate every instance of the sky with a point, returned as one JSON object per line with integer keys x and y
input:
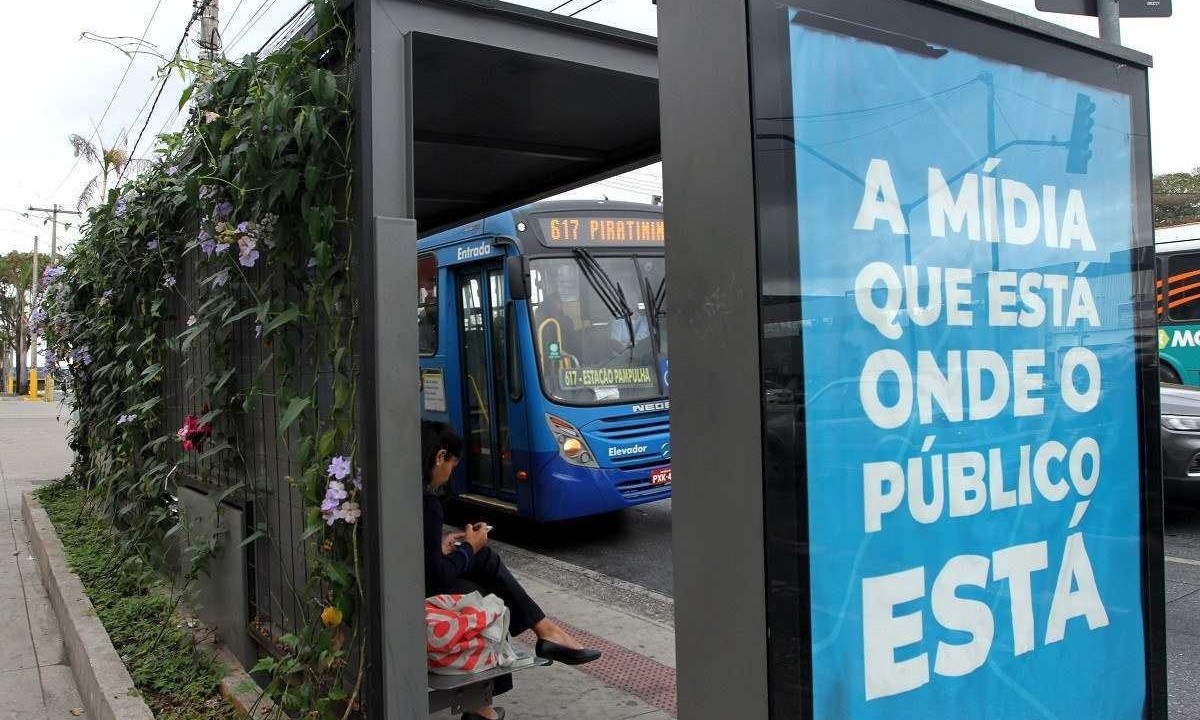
{"x": 58, "y": 81}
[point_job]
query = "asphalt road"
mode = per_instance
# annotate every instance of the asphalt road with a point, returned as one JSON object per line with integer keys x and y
{"x": 1183, "y": 611}
{"x": 635, "y": 546}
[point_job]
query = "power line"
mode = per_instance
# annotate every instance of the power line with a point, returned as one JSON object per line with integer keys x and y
{"x": 233, "y": 15}
{"x": 116, "y": 91}
{"x": 254, "y": 20}
{"x": 294, "y": 23}
{"x": 200, "y": 6}
{"x": 586, "y": 7}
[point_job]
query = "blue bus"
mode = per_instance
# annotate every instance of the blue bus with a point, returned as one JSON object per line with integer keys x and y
{"x": 542, "y": 338}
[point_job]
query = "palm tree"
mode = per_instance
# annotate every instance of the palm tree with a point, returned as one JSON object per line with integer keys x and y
{"x": 110, "y": 160}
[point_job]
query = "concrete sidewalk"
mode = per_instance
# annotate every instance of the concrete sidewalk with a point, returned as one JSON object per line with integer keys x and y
{"x": 35, "y": 680}
{"x": 632, "y": 625}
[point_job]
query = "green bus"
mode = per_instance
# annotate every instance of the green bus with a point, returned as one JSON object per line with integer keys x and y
{"x": 1177, "y": 251}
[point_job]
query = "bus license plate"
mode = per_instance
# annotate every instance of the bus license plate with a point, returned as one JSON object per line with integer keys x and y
{"x": 661, "y": 476}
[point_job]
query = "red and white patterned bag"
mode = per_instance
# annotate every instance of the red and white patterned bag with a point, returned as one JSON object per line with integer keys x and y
{"x": 467, "y": 634}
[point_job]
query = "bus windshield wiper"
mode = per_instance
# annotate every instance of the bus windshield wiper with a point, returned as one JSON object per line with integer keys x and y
{"x": 609, "y": 291}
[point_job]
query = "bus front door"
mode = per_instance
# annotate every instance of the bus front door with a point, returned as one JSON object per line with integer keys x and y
{"x": 483, "y": 344}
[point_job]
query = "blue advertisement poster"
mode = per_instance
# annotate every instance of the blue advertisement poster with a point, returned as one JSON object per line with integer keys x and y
{"x": 971, "y": 407}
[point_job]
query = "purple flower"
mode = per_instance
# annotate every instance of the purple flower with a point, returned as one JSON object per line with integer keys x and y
{"x": 126, "y": 419}
{"x": 220, "y": 248}
{"x": 243, "y": 227}
{"x": 83, "y": 356}
{"x": 52, "y": 272}
{"x": 223, "y": 211}
{"x": 152, "y": 245}
{"x": 357, "y": 480}
{"x": 208, "y": 247}
{"x": 247, "y": 254}
{"x": 247, "y": 259}
{"x": 220, "y": 278}
{"x": 168, "y": 281}
{"x": 172, "y": 170}
{"x": 329, "y": 505}
{"x": 120, "y": 211}
{"x": 108, "y": 293}
{"x": 339, "y": 467}
{"x": 51, "y": 358}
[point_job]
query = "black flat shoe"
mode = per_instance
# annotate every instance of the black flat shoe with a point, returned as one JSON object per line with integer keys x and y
{"x": 474, "y": 716}
{"x": 565, "y": 655}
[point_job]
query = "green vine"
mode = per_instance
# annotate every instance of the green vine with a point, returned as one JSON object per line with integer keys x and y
{"x": 250, "y": 202}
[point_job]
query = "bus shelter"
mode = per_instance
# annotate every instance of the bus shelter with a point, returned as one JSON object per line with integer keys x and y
{"x": 466, "y": 108}
{"x": 934, "y": 489}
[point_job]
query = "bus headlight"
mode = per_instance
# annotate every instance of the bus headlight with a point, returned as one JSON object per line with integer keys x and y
{"x": 572, "y": 448}
{"x": 571, "y": 445}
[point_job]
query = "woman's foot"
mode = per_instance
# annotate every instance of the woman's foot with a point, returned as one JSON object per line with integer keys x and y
{"x": 556, "y": 644}
{"x": 550, "y": 631}
{"x": 565, "y": 655}
{"x": 487, "y": 713}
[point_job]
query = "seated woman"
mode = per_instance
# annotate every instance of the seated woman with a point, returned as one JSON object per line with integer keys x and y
{"x": 463, "y": 563}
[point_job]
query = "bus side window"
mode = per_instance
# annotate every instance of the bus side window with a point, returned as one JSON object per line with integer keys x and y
{"x": 427, "y": 304}
{"x": 1183, "y": 287}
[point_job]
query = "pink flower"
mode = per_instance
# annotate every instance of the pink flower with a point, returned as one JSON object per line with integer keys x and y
{"x": 193, "y": 434}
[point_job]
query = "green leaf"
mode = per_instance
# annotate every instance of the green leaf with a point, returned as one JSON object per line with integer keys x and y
{"x": 287, "y": 316}
{"x": 186, "y": 95}
{"x": 244, "y": 313}
{"x": 295, "y": 407}
{"x": 323, "y": 86}
{"x": 257, "y": 534}
{"x": 325, "y": 445}
{"x": 224, "y": 379}
{"x": 228, "y": 138}
{"x": 266, "y": 664}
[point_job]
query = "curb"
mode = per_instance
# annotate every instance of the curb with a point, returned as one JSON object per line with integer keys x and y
{"x": 104, "y": 683}
{"x": 630, "y": 597}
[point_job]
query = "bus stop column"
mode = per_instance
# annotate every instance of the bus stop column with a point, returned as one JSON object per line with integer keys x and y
{"x": 389, "y": 426}
{"x": 720, "y": 617}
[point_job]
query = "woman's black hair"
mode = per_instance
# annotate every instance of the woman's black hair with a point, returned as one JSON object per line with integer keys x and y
{"x": 435, "y": 437}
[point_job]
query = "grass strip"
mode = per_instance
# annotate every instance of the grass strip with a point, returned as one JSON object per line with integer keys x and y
{"x": 177, "y": 680}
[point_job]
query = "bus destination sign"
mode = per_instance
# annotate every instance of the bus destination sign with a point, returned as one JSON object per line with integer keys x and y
{"x": 601, "y": 230}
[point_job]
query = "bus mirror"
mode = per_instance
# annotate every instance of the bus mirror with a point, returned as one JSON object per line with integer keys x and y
{"x": 518, "y": 277}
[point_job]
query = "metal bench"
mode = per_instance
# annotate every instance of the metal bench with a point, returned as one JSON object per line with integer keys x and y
{"x": 465, "y": 692}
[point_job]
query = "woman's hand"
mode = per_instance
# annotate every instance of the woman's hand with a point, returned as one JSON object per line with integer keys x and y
{"x": 449, "y": 541}
{"x": 476, "y": 536}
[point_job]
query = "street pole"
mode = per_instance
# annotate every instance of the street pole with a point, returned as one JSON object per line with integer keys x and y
{"x": 54, "y": 213}
{"x": 1109, "y": 12}
{"x": 210, "y": 33}
{"x": 33, "y": 288}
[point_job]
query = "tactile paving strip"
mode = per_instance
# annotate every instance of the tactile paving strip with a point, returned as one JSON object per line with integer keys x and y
{"x": 648, "y": 680}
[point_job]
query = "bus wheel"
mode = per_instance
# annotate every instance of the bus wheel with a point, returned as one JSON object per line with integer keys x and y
{"x": 1167, "y": 374}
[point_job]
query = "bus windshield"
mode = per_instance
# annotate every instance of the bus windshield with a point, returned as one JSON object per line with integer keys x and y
{"x": 598, "y": 327}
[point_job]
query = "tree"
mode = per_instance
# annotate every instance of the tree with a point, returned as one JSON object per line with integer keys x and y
{"x": 1177, "y": 198}
{"x": 110, "y": 160}
{"x": 16, "y": 280}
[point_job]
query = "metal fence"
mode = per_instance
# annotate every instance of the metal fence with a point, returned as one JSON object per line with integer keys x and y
{"x": 247, "y": 464}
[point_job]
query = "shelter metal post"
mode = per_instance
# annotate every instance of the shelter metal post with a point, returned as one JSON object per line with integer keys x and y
{"x": 390, "y": 434}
